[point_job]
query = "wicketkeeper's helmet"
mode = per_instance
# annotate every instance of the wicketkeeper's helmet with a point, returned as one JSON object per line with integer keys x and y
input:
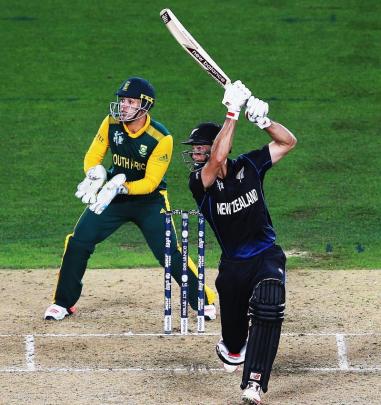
{"x": 138, "y": 88}
{"x": 203, "y": 134}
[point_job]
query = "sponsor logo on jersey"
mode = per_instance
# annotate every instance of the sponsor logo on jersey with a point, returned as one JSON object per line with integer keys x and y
{"x": 143, "y": 150}
{"x": 220, "y": 185}
{"x": 118, "y": 138}
{"x": 100, "y": 138}
{"x": 240, "y": 203}
{"x": 163, "y": 158}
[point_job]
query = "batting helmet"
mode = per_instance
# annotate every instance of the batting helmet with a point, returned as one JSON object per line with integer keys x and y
{"x": 203, "y": 134}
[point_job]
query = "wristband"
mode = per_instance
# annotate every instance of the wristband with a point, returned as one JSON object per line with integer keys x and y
{"x": 233, "y": 115}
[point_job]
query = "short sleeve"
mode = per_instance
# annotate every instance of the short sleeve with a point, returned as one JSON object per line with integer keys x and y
{"x": 260, "y": 158}
{"x": 196, "y": 187}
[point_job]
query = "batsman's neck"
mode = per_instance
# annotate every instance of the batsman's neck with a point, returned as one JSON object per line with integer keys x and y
{"x": 137, "y": 125}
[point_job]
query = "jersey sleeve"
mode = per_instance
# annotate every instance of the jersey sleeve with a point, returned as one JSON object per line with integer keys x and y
{"x": 98, "y": 147}
{"x": 157, "y": 166}
{"x": 196, "y": 187}
{"x": 260, "y": 158}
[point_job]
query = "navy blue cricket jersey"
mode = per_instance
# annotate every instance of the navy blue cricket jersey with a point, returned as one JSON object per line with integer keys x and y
{"x": 235, "y": 206}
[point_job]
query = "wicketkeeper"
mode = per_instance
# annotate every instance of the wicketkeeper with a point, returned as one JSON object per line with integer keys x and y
{"x": 134, "y": 189}
{"x": 251, "y": 278}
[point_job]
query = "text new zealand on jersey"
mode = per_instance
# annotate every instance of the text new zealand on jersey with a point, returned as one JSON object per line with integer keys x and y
{"x": 243, "y": 201}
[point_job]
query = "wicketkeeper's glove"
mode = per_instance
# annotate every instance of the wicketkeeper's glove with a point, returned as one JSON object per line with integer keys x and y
{"x": 88, "y": 188}
{"x": 109, "y": 191}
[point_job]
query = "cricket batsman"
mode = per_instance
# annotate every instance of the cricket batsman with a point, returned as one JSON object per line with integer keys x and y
{"x": 133, "y": 189}
{"x": 252, "y": 274}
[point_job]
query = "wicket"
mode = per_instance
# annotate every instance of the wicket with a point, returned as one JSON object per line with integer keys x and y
{"x": 184, "y": 277}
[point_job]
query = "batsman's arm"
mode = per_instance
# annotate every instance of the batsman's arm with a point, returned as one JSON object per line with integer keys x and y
{"x": 157, "y": 166}
{"x": 98, "y": 147}
{"x": 219, "y": 153}
{"x": 283, "y": 140}
{"x": 235, "y": 97}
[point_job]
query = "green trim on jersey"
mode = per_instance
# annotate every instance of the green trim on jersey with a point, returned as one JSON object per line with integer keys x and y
{"x": 157, "y": 130}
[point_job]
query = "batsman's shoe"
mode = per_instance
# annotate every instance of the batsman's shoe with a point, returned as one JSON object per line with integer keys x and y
{"x": 57, "y": 313}
{"x": 231, "y": 359}
{"x": 252, "y": 393}
{"x": 229, "y": 368}
{"x": 210, "y": 312}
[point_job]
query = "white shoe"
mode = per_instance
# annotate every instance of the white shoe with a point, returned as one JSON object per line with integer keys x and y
{"x": 210, "y": 312}
{"x": 230, "y": 368}
{"x": 232, "y": 359}
{"x": 252, "y": 393}
{"x": 57, "y": 313}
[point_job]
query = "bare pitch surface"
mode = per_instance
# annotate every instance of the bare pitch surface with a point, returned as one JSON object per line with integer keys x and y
{"x": 113, "y": 350}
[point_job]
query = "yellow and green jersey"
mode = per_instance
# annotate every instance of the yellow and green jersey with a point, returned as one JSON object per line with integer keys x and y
{"x": 143, "y": 156}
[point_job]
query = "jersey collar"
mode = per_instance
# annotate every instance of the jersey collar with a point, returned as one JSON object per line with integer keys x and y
{"x": 141, "y": 130}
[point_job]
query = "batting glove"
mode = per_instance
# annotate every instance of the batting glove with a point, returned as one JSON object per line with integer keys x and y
{"x": 109, "y": 191}
{"x": 88, "y": 188}
{"x": 235, "y": 97}
{"x": 256, "y": 112}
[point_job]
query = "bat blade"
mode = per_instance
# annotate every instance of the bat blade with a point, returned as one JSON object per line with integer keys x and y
{"x": 193, "y": 48}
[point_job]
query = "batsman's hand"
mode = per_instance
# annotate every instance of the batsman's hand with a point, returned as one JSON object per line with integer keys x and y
{"x": 235, "y": 97}
{"x": 109, "y": 191}
{"x": 88, "y": 188}
{"x": 256, "y": 112}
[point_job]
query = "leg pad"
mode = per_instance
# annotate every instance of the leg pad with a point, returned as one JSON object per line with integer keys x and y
{"x": 266, "y": 312}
